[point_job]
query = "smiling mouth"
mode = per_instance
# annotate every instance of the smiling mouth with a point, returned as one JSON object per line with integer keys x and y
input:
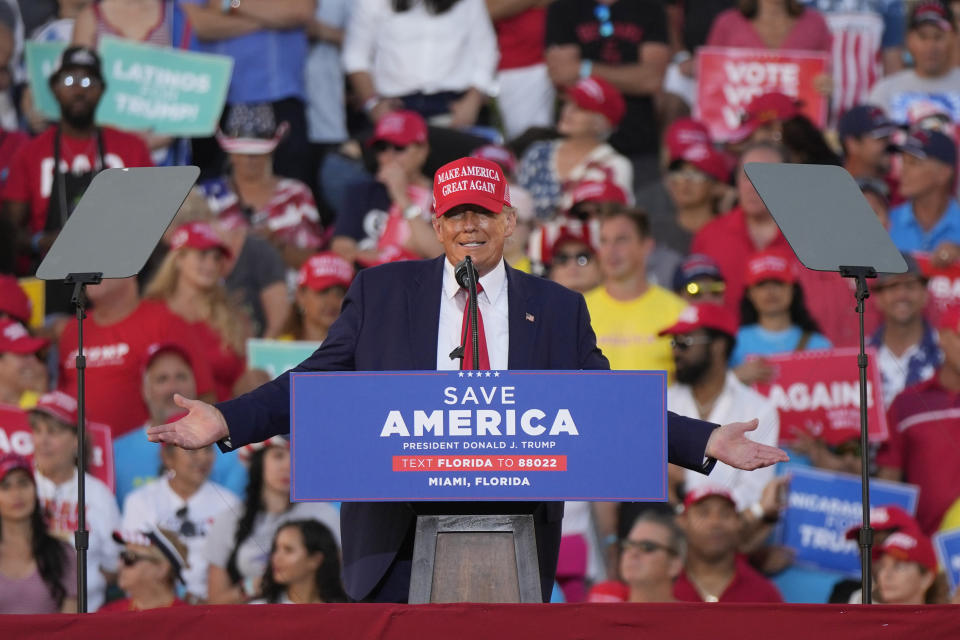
{"x": 472, "y": 245}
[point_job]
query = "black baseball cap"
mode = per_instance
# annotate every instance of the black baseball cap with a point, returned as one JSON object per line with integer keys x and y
{"x": 865, "y": 120}
{"x": 78, "y": 57}
{"x": 927, "y": 143}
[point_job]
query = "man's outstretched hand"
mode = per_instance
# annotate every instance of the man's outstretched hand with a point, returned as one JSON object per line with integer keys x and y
{"x": 201, "y": 427}
{"x": 730, "y": 444}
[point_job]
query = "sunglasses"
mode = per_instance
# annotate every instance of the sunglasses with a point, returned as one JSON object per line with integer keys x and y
{"x": 695, "y": 289}
{"x": 581, "y": 258}
{"x": 602, "y": 13}
{"x": 129, "y": 558}
{"x": 382, "y": 145}
{"x": 187, "y": 528}
{"x": 82, "y": 80}
{"x": 645, "y": 546}
{"x": 682, "y": 343}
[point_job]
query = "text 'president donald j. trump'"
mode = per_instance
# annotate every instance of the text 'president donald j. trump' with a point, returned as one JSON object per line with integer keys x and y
{"x": 410, "y": 316}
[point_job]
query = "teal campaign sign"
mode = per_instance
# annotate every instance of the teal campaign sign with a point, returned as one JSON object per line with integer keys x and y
{"x": 149, "y": 88}
{"x": 277, "y": 356}
{"x": 479, "y": 435}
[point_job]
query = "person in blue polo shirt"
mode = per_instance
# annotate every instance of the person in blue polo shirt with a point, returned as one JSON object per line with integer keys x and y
{"x": 930, "y": 219}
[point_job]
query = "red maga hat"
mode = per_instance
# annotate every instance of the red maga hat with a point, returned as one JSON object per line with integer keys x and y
{"x": 703, "y": 315}
{"x": 707, "y": 159}
{"x": 766, "y": 108}
{"x": 14, "y": 338}
{"x": 59, "y": 406}
{"x": 470, "y": 181}
{"x": 706, "y": 491}
{"x": 324, "y": 270}
{"x": 198, "y": 235}
{"x": 886, "y": 518}
{"x": 770, "y": 265}
{"x": 911, "y": 546}
{"x": 10, "y": 462}
{"x": 598, "y": 95}
{"x": 596, "y": 191}
{"x": 400, "y": 128}
{"x": 683, "y": 133}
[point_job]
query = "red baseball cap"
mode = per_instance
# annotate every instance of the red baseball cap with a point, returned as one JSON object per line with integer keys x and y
{"x": 470, "y": 181}
{"x": 198, "y": 235}
{"x": 14, "y": 338}
{"x": 598, "y": 95}
{"x": 59, "y": 406}
{"x": 703, "y": 492}
{"x": 400, "y": 128}
{"x": 886, "y": 518}
{"x": 911, "y": 546}
{"x": 595, "y": 191}
{"x": 770, "y": 265}
{"x": 325, "y": 270}
{"x": 13, "y": 301}
{"x": 683, "y": 133}
{"x": 707, "y": 159}
{"x": 703, "y": 315}
{"x": 763, "y": 109}
{"x": 157, "y": 349}
{"x": 247, "y": 451}
{"x": 15, "y": 462}
{"x": 499, "y": 154}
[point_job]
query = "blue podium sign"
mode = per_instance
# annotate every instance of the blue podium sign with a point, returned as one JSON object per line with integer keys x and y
{"x": 823, "y": 505}
{"x": 479, "y": 435}
{"x": 947, "y": 546}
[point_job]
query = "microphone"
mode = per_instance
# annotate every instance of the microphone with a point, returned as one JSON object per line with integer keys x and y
{"x": 465, "y": 272}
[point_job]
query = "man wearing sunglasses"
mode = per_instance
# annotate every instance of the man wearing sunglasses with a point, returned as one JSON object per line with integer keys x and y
{"x": 702, "y": 340}
{"x": 51, "y": 172}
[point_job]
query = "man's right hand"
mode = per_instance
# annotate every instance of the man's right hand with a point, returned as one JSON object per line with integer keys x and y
{"x": 201, "y": 427}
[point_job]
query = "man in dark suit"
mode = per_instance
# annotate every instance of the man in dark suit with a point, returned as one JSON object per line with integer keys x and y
{"x": 409, "y": 316}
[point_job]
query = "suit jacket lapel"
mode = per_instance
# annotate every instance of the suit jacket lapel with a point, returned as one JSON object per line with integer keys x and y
{"x": 423, "y": 309}
{"x": 523, "y": 311}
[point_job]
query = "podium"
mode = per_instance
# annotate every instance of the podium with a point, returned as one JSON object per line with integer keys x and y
{"x": 484, "y": 459}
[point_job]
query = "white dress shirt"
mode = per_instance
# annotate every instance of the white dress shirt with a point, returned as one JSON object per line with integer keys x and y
{"x": 736, "y": 403}
{"x": 416, "y": 51}
{"x": 492, "y": 305}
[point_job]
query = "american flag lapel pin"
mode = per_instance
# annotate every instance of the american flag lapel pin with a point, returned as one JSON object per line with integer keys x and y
{"x": 529, "y": 317}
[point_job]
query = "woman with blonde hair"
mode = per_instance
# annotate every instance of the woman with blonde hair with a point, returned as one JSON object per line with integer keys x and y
{"x": 189, "y": 281}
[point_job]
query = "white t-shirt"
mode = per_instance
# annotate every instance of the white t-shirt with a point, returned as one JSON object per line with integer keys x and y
{"x": 59, "y": 503}
{"x": 255, "y": 550}
{"x": 156, "y": 504}
{"x": 736, "y": 403}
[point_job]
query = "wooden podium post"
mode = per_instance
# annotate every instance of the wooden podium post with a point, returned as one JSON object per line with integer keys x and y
{"x": 483, "y": 558}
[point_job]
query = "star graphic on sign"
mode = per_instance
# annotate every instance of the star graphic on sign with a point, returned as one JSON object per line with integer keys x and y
{"x": 461, "y": 374}
{"x": 496, "y": 374}
{"x": 469, "y": 374}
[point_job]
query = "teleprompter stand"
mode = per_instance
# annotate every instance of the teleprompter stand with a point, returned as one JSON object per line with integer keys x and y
{"x": 112, "y": 232}
{"x": 831, "y": 227}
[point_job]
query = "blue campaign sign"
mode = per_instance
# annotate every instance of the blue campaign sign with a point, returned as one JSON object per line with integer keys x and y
{"x": 479, "y": 435}
{"x": 947, "y": 545}
{"x": 823, "y": 505}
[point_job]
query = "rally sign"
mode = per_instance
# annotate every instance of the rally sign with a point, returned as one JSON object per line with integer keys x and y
{"x": 149, "y": 88}
{"x": 17, "y": 437}
{"x": 943, "y": 283}
{"x": 818, "y": 393}
{"x": 277, "y": 356}
{"x": 947, "y": 546}
{"x": 479, "y": 435}
{"x": 823, "y": 505}
{"x": 728, "y": 78}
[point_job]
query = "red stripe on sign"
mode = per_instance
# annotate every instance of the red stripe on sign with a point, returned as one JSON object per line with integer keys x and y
{"x": 479, "y": 463}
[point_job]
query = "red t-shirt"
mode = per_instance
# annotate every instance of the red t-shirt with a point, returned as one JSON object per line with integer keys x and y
{"x": 748, "y": 585}
{"x": 226, "y": 365}
{"x": 924, "y": 423}
{"x": 10, "y": 143}
{"x": 126, "y": 604}
{"x": 31, "y": 172}
{"x": 521, "y": 38}
{"x": 609, "y": 591}
{"x": 115, "y": 357}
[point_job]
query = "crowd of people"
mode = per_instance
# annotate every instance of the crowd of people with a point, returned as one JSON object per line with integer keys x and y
{"x": 338, "y": 114}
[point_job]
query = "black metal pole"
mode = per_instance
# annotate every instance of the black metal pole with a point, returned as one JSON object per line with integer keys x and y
{"x": 474, "y": 330}
{"x": 81, "y": 537}
{"x": 860, "y": 274}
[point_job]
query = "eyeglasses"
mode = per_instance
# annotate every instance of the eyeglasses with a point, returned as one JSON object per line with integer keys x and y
{"x": 581, "y": 258}
{"x": 382, "y": 145}
{"x": 645, "y": 546}
{"x": 82, "y": 80}
{"x": 602, "y": 13}
{"x": 187, "y": 528}
{"x": 129, "y": 558}
{"x": 682, "y": 343}
{"x": 695, "y": 289}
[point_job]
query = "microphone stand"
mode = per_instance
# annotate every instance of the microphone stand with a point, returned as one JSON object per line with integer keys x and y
{"x": 466, "y": 274}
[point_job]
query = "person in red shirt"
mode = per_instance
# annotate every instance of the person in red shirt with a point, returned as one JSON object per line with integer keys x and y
{"x": 116, "y": 337}
{"x": 51, "y": 172}
{"x": 188, "y": 282}
{"x": 924, "y": 425}
{"x": 151, "y": 565}
{"x": 714, "y": 571}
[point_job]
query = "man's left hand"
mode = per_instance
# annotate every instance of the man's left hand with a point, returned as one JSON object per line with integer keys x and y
{"x": 729, "y": 444}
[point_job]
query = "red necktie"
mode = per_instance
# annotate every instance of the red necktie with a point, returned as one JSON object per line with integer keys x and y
{"x": 466, "y": 330}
